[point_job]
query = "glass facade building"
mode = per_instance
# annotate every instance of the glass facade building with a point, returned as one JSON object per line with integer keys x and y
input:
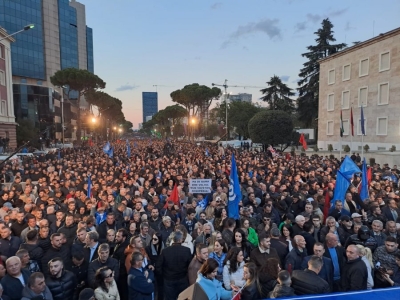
{"x": 27, "y": 52}
{"x": 149, "y": 104}
{"x": 68, "y": 35}
{"x": 89, "y": 49}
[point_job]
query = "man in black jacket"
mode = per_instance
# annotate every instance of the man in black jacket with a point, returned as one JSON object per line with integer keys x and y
{"x": 69, "y": 229}
{"x": 296, "y": 255}
{"x": 173, "y": 264}
{"x": 280, "y": 247}
{"x": 57, "y": 250}
{"x": 61, "y": 283}
{"x": 12, "y": 284}
{"x": 31, "y": 245}
{"x": 355, "y": 273}
{"x": 122, "y": 242}
{"x": 308, "y": 282}
{"x": 103, "y": 260}
{"x": 110, "y": 223}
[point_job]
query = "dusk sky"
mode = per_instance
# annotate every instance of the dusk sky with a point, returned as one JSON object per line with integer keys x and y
{"x": 172, "y": 43}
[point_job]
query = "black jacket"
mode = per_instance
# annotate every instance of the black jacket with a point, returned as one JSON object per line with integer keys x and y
{"x": 69, "y": 232}
{"x": 62, "y": 288}
{"x": 63, "y": 253}
{"x": 281, "y": 248}
{"x": 96, "y": 264}
{"x": 281, "y": 291}
{"x": 354, "y": 276}
{"x": 295, "y": 258}
{"x": 340, "y": 253}
{"x": 250, "y": 292}
{"x": 12, "y": 287}
{"x": 267, "y": 284}
{"x": 120, "y": 256}
{"x": 174, "y": 262}
{"x": 308, "y": 282}
{"x": 102, "y": 230}
{"x": 35, "y": 252}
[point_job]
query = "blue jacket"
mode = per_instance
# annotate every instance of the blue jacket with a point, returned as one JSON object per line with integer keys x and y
{"x": 220, "y": 260}
{"x": 213, "y": 288}
{"x": 139, "y": 287}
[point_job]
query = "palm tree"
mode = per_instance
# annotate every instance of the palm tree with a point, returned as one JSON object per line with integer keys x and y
{"x": 277, "y": 95}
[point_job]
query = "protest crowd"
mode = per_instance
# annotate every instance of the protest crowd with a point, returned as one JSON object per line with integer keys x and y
{"x": 119, "y": 221}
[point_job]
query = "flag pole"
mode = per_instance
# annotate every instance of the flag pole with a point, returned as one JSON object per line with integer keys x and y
{"x": 362, "y": 146}
{"x": 340, "y": 149}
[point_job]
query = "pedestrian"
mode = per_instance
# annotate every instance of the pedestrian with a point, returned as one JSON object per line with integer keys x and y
{"x": 140, "y": 281}
{"x": 61, "y": 283}
{"x": 106, "y": 285}
{"x": 36, "y": 288}
{"x": 354, "y": 274}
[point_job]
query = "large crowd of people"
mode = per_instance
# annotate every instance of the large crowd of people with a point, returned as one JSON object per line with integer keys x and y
{"x": 83, "y": 224}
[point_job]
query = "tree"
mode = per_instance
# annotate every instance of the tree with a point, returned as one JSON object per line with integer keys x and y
{"x": 239, "y": 115}
{"x": 78, "y": 80}
{"x": 26, "y": 131}
{"x": 277, "y": 95}
{"x": 196, "y": 98}
{"x": 309, "y": 84}
{"x": 271, "y": 127}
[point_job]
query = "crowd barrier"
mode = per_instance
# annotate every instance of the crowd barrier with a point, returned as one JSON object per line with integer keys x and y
{"x": 378, "y": 294}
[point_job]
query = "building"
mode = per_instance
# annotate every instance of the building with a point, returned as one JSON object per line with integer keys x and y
{"x": 244, "y": 97}
{"x": 59, "y": 40}
{"x": 366, "y": 74}
{"x": 149, "y": 105}
{"x": 7, "y": 118}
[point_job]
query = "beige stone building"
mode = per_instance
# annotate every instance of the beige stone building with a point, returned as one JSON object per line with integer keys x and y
{"x": 368, "y": 75}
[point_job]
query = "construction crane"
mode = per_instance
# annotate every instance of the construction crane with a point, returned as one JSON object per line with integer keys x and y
{"x": 225, "y": 86}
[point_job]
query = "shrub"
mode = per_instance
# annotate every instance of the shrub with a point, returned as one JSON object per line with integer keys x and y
{"x": 346, "y": 148}
{"x": 330, "y": 147}
{"x": 366, "y": 147}
{"x": 393, "y": 148}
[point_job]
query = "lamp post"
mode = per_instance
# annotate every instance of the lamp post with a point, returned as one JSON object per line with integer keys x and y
{"x": 27, "y": 27}
{"x": 94, "y": 132}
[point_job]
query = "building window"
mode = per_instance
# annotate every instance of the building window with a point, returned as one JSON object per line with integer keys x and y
{"x": 383, "y": 93}
{"x": 381, "y": 126}
{"x": 331, "y": 102}
{"x": 363, "y": 96}
{"x": 331, "y": 76}
{"x": 364, "y": 67}
{"x": 23, "y": 80}
{"x": 359, "y": 132}
{"x": 345, "y": 99}
{"x": 384, "y": 62}
{"x": 2, "y": 78}
{"x": 329, "y": 128}
{"x": 3, "y": 108}
{"x": 346, "y": 72}
{"x": 1, "y": 51}
{"x": 346, "y": 124}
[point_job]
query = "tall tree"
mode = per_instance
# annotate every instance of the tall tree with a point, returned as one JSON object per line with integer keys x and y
{"x": 309, "y": 74}
{"x": 78, "y": 80}
{"x": 277, "y": 95}
{"x": 239, "y": 115}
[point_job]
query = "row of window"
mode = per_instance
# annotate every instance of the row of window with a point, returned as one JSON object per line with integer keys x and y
{"x": 363, "y": 68}
{"x": 381, "y": 127}
{"x": 383, "y": 97}
{"x": 2, "y": 78}
{"x": 3, "y": 108}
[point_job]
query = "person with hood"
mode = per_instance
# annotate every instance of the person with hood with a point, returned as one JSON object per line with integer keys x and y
{"x": 364, "y": 238}
{"x": 36, "y": 288}
{"x": 210, "y": 285}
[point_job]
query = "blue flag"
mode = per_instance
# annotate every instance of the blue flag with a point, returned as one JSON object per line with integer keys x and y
{"x": 207, "y": 153}
{"x": 59, "y": 154}
{"x": 204, "y": 203}
{"x": 111, "y": 152}
{"x": 343, "y": 177}
{"x": 89, "y": 187}
{"x": 364, "y": 182}
{"x": 106, "y": 148}
{"x": 235, "y": 194}
{"x": 362, "y": 121}
{"x": 128, "y": 148}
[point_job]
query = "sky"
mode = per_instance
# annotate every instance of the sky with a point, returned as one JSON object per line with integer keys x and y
{"x": 163, "y": 45}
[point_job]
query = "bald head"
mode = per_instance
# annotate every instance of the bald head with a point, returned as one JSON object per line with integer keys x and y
{"x": 300, "y": 241}
{"x": 331, "y": 240}
{"x": 352, "y": 252}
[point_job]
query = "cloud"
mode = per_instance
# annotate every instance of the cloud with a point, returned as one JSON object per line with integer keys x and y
{"x": 301, "y": 26}
{"x": 314, "y": 18}
{"x": 216, "y": 5}
{"x": 267, "y": 26}
{"x": 285, "y": 78}
{"x": 337, "y": 13}
{"x": 125, "y": 87}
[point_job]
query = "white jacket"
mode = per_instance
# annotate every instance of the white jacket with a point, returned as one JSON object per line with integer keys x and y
{"x": 236, "y": 277}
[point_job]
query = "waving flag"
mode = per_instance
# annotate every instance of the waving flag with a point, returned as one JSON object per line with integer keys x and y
{"x": 128, "y": 148}
{"x": 204, "y": 203}
{"x": 364, "y": 182}
{"x": 351, "y": 121}
{"x": 59, "y": 154}
{"x": 235, "y": 194}
{"x": 347, "y": 169}
{"x": 110, "y": 152}
{"x": 303, "y": 141}
{"x": 106, "y": 148}
{"x": 89, "y": 186}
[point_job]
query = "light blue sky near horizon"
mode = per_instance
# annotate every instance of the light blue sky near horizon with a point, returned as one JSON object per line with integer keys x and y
{"x": 138, "y": 44}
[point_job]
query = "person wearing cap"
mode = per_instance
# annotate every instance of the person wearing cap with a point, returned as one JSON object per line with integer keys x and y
{"x": 347, "y": 225}
{"x": 357, "y": 218}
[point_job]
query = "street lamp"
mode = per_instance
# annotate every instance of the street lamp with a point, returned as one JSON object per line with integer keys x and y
{"x": 27, "y": 27}
{"x": 93, "y": 120}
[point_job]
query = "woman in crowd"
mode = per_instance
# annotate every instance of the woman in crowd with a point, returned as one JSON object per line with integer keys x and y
{"x": 268, "y": 276}
{"x": 153, "y": 252}
{"x": 219, "y": 254}
{"x": 233, "y": 268}
{"x": 252, "y": 236}
{"x": 210, "y": 285}
{"x": 215, "y": 236}
{"x": 240, "y": 241}
{"x": 366, "y": 257}
{"x": 187, "y": 238}
{"x": 251, "y": 290}
{"x": 106, "y": 286}
{"x": 220, "y": 216}
{"x": 287, "y": 236}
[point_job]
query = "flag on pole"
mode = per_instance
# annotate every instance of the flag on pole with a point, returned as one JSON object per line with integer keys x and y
{"x": 362, "y": 121}
{"x": 89, "y": 186}
{"x": 106, "y": 148}
{"x": 351, "y": 121}
{"x": 128, "y": 149}
{"x": 110, "y": 152}
{"x": 303, "y": 141}
{"x": 327, "y": 204}
{"x": 174, "y": 197}
{"x": 59, "y": 154}
{"x": 235, "y": 194}
{"x": 364, "y": 182}
{"x": 204, "y": 203}
{"x": 341, "y": 124}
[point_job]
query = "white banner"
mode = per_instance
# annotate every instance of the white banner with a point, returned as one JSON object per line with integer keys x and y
{"x": 200, "y": 186}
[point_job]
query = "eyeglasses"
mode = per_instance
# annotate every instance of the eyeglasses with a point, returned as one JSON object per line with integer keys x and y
{"x": 154, "y": 239}
{"x": 110, "y": 276}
